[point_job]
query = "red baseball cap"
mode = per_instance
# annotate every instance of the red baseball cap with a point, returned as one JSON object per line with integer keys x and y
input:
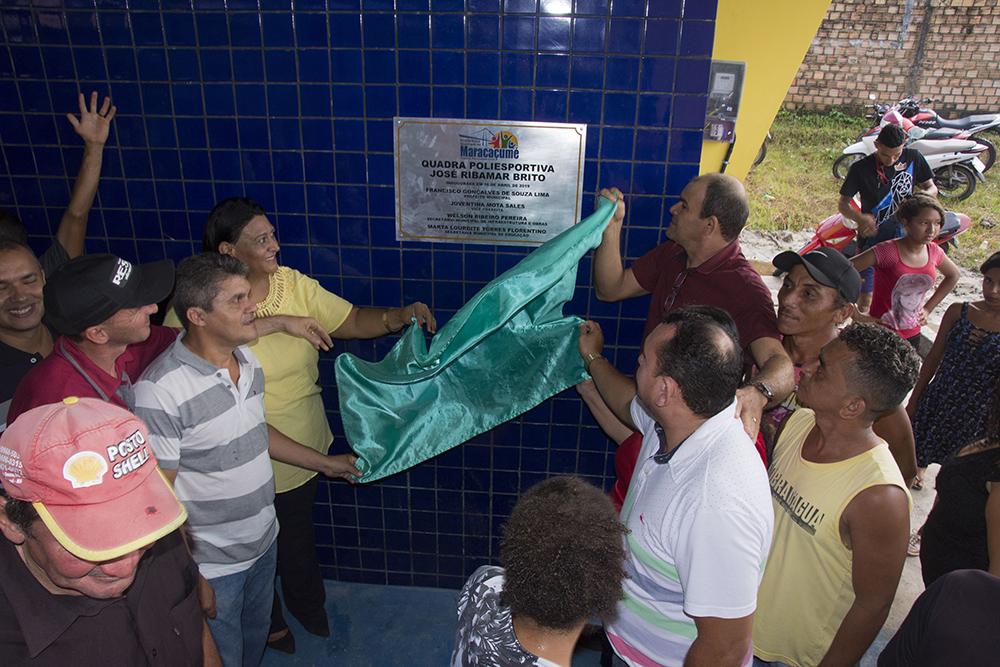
{"x": 88, "y": 469}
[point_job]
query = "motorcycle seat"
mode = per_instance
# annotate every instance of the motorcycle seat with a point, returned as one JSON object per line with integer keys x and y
{"x": 967, "y": 122}
{"x": 941, "y": 133}
{"x": 951, "y": 223}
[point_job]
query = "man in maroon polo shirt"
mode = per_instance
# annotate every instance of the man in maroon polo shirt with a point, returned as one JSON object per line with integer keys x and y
{"x": 702, "y": 263}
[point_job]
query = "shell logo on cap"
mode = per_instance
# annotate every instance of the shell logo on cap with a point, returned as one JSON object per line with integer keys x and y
{"x": 85, "y": 469}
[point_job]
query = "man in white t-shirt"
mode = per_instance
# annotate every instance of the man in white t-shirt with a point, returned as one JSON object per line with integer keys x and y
{"x": 698, "y": 508}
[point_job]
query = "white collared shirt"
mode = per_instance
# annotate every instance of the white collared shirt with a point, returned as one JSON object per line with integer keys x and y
{"x": 700, "y": 532}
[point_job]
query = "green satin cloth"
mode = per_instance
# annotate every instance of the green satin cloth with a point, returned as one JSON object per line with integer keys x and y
{"x": 507, "y": 350}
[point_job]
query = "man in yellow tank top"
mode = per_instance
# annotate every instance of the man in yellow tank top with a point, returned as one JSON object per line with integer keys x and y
{"x": 841, "y": 506}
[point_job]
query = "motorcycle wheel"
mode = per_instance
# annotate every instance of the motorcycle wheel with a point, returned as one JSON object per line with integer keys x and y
{"x": 956, "y": 181}
{"x": 989, "y": 156}
{"x": 761, "y": 154}
{"x": 843, "y": 164}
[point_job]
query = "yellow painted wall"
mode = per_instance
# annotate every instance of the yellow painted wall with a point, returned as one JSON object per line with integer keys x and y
{"x": 771, "y": 37}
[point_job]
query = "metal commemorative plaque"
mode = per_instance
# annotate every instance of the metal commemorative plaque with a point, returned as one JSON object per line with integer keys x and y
{"x": 487, "y": 181}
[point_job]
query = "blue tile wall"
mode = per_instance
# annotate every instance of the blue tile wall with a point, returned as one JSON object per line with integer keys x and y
{"x": 294, "y": 108}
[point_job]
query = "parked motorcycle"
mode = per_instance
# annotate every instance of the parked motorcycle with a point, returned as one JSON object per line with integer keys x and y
{"x": 956, "y": 163}
{"x": 927, "y": 117}
{"x": 969, "y": 127}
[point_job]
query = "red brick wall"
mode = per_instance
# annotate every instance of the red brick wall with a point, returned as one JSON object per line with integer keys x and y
{"x": 944, "y": 49}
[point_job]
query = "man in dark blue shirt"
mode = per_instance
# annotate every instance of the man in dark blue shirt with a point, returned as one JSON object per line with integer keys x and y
{"x": 882, "y": 180}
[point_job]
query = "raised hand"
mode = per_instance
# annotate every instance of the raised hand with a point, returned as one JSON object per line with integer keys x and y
{"x": 750, "y": 404}
{"x": 93, "y": 124}
{"x": 615, "y": 195}
{"x": 591, "y": 339}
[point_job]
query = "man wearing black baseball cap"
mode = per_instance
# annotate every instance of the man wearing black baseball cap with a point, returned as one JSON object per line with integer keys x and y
{"x": 826, "y": 266}
{"x": 101, "y": 305}
{"x": 816, "y": 298}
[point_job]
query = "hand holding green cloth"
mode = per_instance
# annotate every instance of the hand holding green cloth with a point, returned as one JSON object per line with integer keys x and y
{"x": 507, "y": 350}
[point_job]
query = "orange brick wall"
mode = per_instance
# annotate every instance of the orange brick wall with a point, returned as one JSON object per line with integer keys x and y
{"x": 944, "y": 49}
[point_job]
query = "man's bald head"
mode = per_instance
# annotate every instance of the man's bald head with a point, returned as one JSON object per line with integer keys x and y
{"x": 726, "y": 199}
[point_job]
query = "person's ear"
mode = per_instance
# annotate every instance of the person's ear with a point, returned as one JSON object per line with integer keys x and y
{"x": 842, "y": 314}
{"x": 854, "y": 407}
{"x": 95, "y": 334}
{"x": 10, "y": 529}
{"x": 711, "y": 225}
{"x": 195, "y": 316}
{"x": 227, "y": 248}
{"x": 668, "y": 390}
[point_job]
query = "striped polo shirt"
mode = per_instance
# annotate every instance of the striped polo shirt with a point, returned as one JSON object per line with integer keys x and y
{"x": 700, "y": 522}
{"x": 212, "y": 432}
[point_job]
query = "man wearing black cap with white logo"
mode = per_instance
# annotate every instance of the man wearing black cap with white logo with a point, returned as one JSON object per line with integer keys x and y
{"x": 816, "y": 298}
{"x": 101, "y": 305}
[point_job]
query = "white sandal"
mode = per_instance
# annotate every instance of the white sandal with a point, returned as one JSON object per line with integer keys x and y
{"x": 913, "y": 548}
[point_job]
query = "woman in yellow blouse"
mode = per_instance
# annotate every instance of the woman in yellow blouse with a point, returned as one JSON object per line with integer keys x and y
{"x": 294, "y": 407}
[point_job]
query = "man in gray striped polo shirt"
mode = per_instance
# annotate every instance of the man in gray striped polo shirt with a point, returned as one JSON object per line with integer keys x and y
{"x": 203, "y": 400}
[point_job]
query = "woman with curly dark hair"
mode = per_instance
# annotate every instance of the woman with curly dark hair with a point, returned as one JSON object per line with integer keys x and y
{"x": 562, "y": 560}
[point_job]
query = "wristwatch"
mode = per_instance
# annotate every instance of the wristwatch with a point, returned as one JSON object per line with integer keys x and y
{"x": 764, "y": 389}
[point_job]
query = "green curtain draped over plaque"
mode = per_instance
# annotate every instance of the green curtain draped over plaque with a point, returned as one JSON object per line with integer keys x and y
{"x": 507, "y": 350}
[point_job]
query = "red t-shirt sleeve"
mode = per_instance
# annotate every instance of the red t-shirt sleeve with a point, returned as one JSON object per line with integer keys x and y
{"x": 646, "y": 269}
{"x": 885, "y": 254}
{"x": 761, "y": 447}
{"x": 936, "y": 254}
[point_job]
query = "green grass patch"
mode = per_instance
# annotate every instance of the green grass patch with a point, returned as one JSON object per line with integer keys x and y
{"x": 794, "y": 188}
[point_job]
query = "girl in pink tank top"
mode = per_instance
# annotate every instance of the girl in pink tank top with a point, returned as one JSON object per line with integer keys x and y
{"x": 907, "y": 268}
